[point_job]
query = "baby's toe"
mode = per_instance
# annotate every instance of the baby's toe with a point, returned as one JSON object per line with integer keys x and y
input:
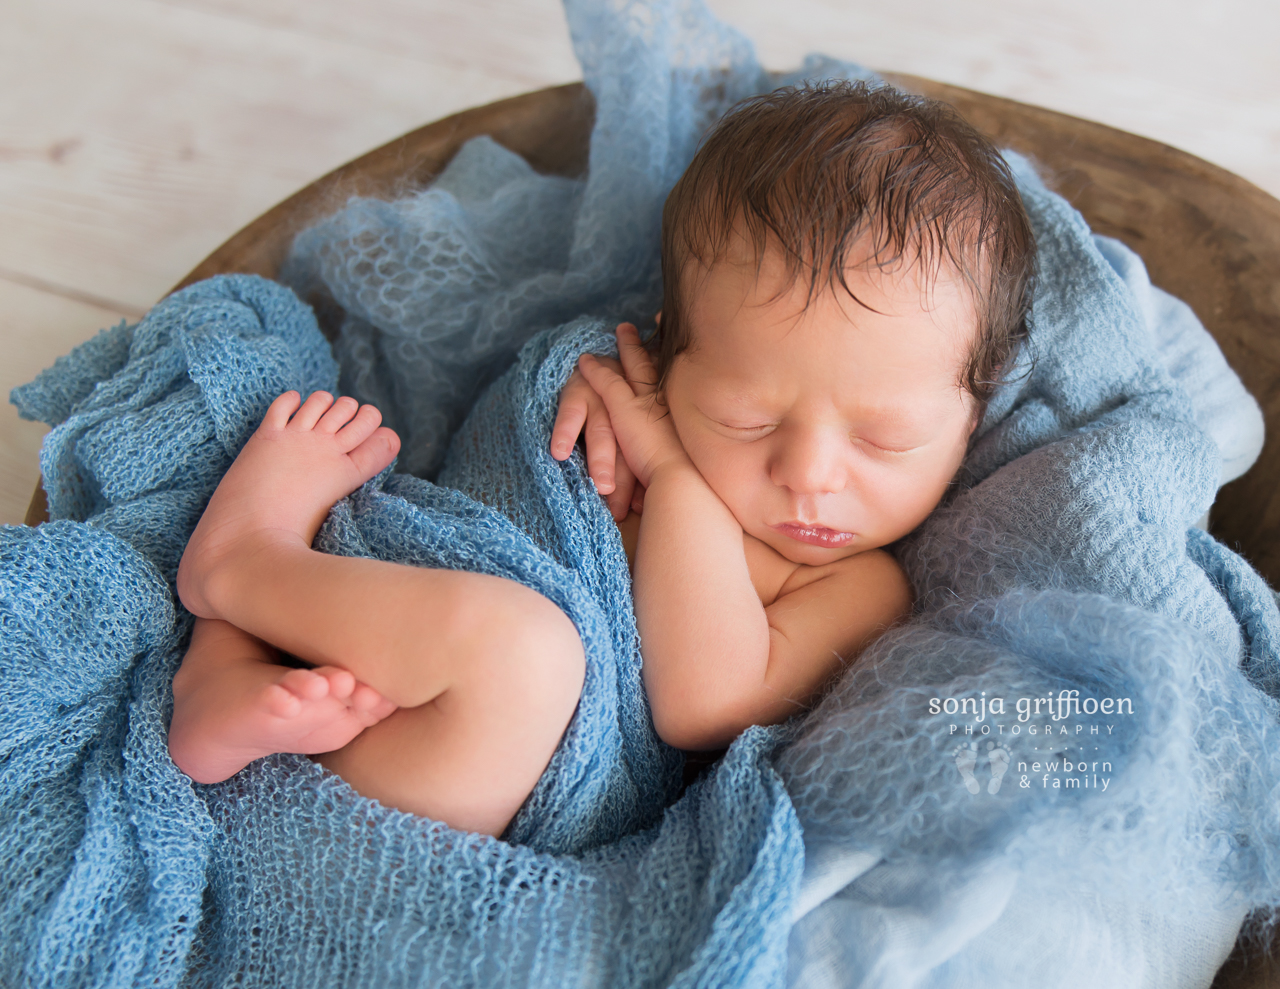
{"x": 316, "y": 405}
{"x": 281, "y": 409}
{"x": 306, "y": 685}
{"x": 281, "y": 702}
{"x": 359, "y": 427}
{"x": 365, "y": 699}
{"x": 340, "y": 413}
{"x": 340, "y": 682}
{"x": 376, "y": 452}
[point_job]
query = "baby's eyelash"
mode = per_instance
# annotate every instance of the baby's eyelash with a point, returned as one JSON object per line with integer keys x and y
{"x": 860, "y": 440}
{"x": 884, "y": 449}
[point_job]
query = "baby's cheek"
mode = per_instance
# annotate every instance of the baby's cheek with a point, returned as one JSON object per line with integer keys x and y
{"x": 903, "y": 499}
{"x": 731, "y": 470}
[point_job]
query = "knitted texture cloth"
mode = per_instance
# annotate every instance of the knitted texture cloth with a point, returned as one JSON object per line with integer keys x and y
{"x": 121, "y": 872}
{"x": 1065, "y": 561}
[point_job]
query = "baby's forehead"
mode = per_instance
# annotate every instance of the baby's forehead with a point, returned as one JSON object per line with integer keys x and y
{"x": 752, "y": 326}
{"x": 745, "y": 276}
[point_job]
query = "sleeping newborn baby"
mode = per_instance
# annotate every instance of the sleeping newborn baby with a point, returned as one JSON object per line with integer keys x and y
{"x": 846, "y": 271}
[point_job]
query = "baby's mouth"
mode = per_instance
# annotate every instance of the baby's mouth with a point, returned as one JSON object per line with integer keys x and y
{"x": 815, "y": 535}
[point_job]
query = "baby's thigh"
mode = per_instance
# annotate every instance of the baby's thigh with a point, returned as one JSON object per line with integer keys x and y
{"x": 472, "y": 755}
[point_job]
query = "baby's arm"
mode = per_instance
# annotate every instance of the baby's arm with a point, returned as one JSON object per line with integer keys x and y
{"x": 715, "y": 659}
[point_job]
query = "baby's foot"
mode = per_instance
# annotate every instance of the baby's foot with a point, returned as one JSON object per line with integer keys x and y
{"x": 302, "y": 459}
{"x": 222, "y": 724}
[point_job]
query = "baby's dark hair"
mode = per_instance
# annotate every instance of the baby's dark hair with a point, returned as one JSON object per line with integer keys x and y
{"x": 821, "y": 170}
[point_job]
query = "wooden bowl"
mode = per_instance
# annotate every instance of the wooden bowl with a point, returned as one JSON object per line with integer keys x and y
{"x": 1206, "y": 235}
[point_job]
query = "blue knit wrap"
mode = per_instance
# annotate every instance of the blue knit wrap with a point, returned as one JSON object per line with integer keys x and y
{"x": 850, "y": 849}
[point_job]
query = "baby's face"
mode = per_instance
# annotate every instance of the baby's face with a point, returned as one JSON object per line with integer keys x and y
{"x": 831, "y": 429}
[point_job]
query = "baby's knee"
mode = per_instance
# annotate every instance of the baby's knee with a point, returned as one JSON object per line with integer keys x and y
{"x": 548, "y": 654}
{"x": 526, "y": 648}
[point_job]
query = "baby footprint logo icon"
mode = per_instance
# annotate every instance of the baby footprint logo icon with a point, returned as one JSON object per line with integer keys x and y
{"x": 966, "y": 759}
{"x": 998, "y": 757}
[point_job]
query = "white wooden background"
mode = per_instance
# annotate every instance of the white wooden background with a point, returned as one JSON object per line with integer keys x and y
{"x": 137, "y": 135}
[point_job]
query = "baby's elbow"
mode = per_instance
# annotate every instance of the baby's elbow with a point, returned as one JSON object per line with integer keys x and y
{"x": 698, "y": 727}
{"x": 695, "y": 737}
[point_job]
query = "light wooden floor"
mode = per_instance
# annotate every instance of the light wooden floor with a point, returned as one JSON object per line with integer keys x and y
{"x": 136, "y": 135}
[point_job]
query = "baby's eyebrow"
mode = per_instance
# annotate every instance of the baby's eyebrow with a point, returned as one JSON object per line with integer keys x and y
{"x": 725, "y": 397}
{"x": 893, "y": 415}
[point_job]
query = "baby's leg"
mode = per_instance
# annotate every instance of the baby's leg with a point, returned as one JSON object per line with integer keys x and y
{"x": 300, "y": 461}
{"x": 491, "y": 669}
{"x": 470, "y": 756}
{"x": 233, "y": 703}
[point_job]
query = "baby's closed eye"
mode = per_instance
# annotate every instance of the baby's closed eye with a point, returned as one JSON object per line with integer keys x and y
{"x": 887, "y": 445}
{"x": 754, "y": 429}
{"x": 872, "y": 442}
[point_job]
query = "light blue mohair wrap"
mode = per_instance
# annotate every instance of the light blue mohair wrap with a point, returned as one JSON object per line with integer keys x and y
{"x": 862, "y": 846}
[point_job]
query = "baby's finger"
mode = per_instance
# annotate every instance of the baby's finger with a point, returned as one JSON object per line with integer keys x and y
{"x": 604, "y": 380}
{"x": 624, "y": 484}
{"x": 636, "y": 360}
{"x": 637, "y": 500}
{"x": 570, "y": 418}
{"x": 602, "y": 447}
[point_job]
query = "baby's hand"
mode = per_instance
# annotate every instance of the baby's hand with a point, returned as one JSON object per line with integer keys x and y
{"x": 579, "y": 405}
{"x": 643, "y": 428}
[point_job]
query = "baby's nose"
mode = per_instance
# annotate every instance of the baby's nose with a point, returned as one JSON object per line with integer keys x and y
{"x": 809, "y": 462}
